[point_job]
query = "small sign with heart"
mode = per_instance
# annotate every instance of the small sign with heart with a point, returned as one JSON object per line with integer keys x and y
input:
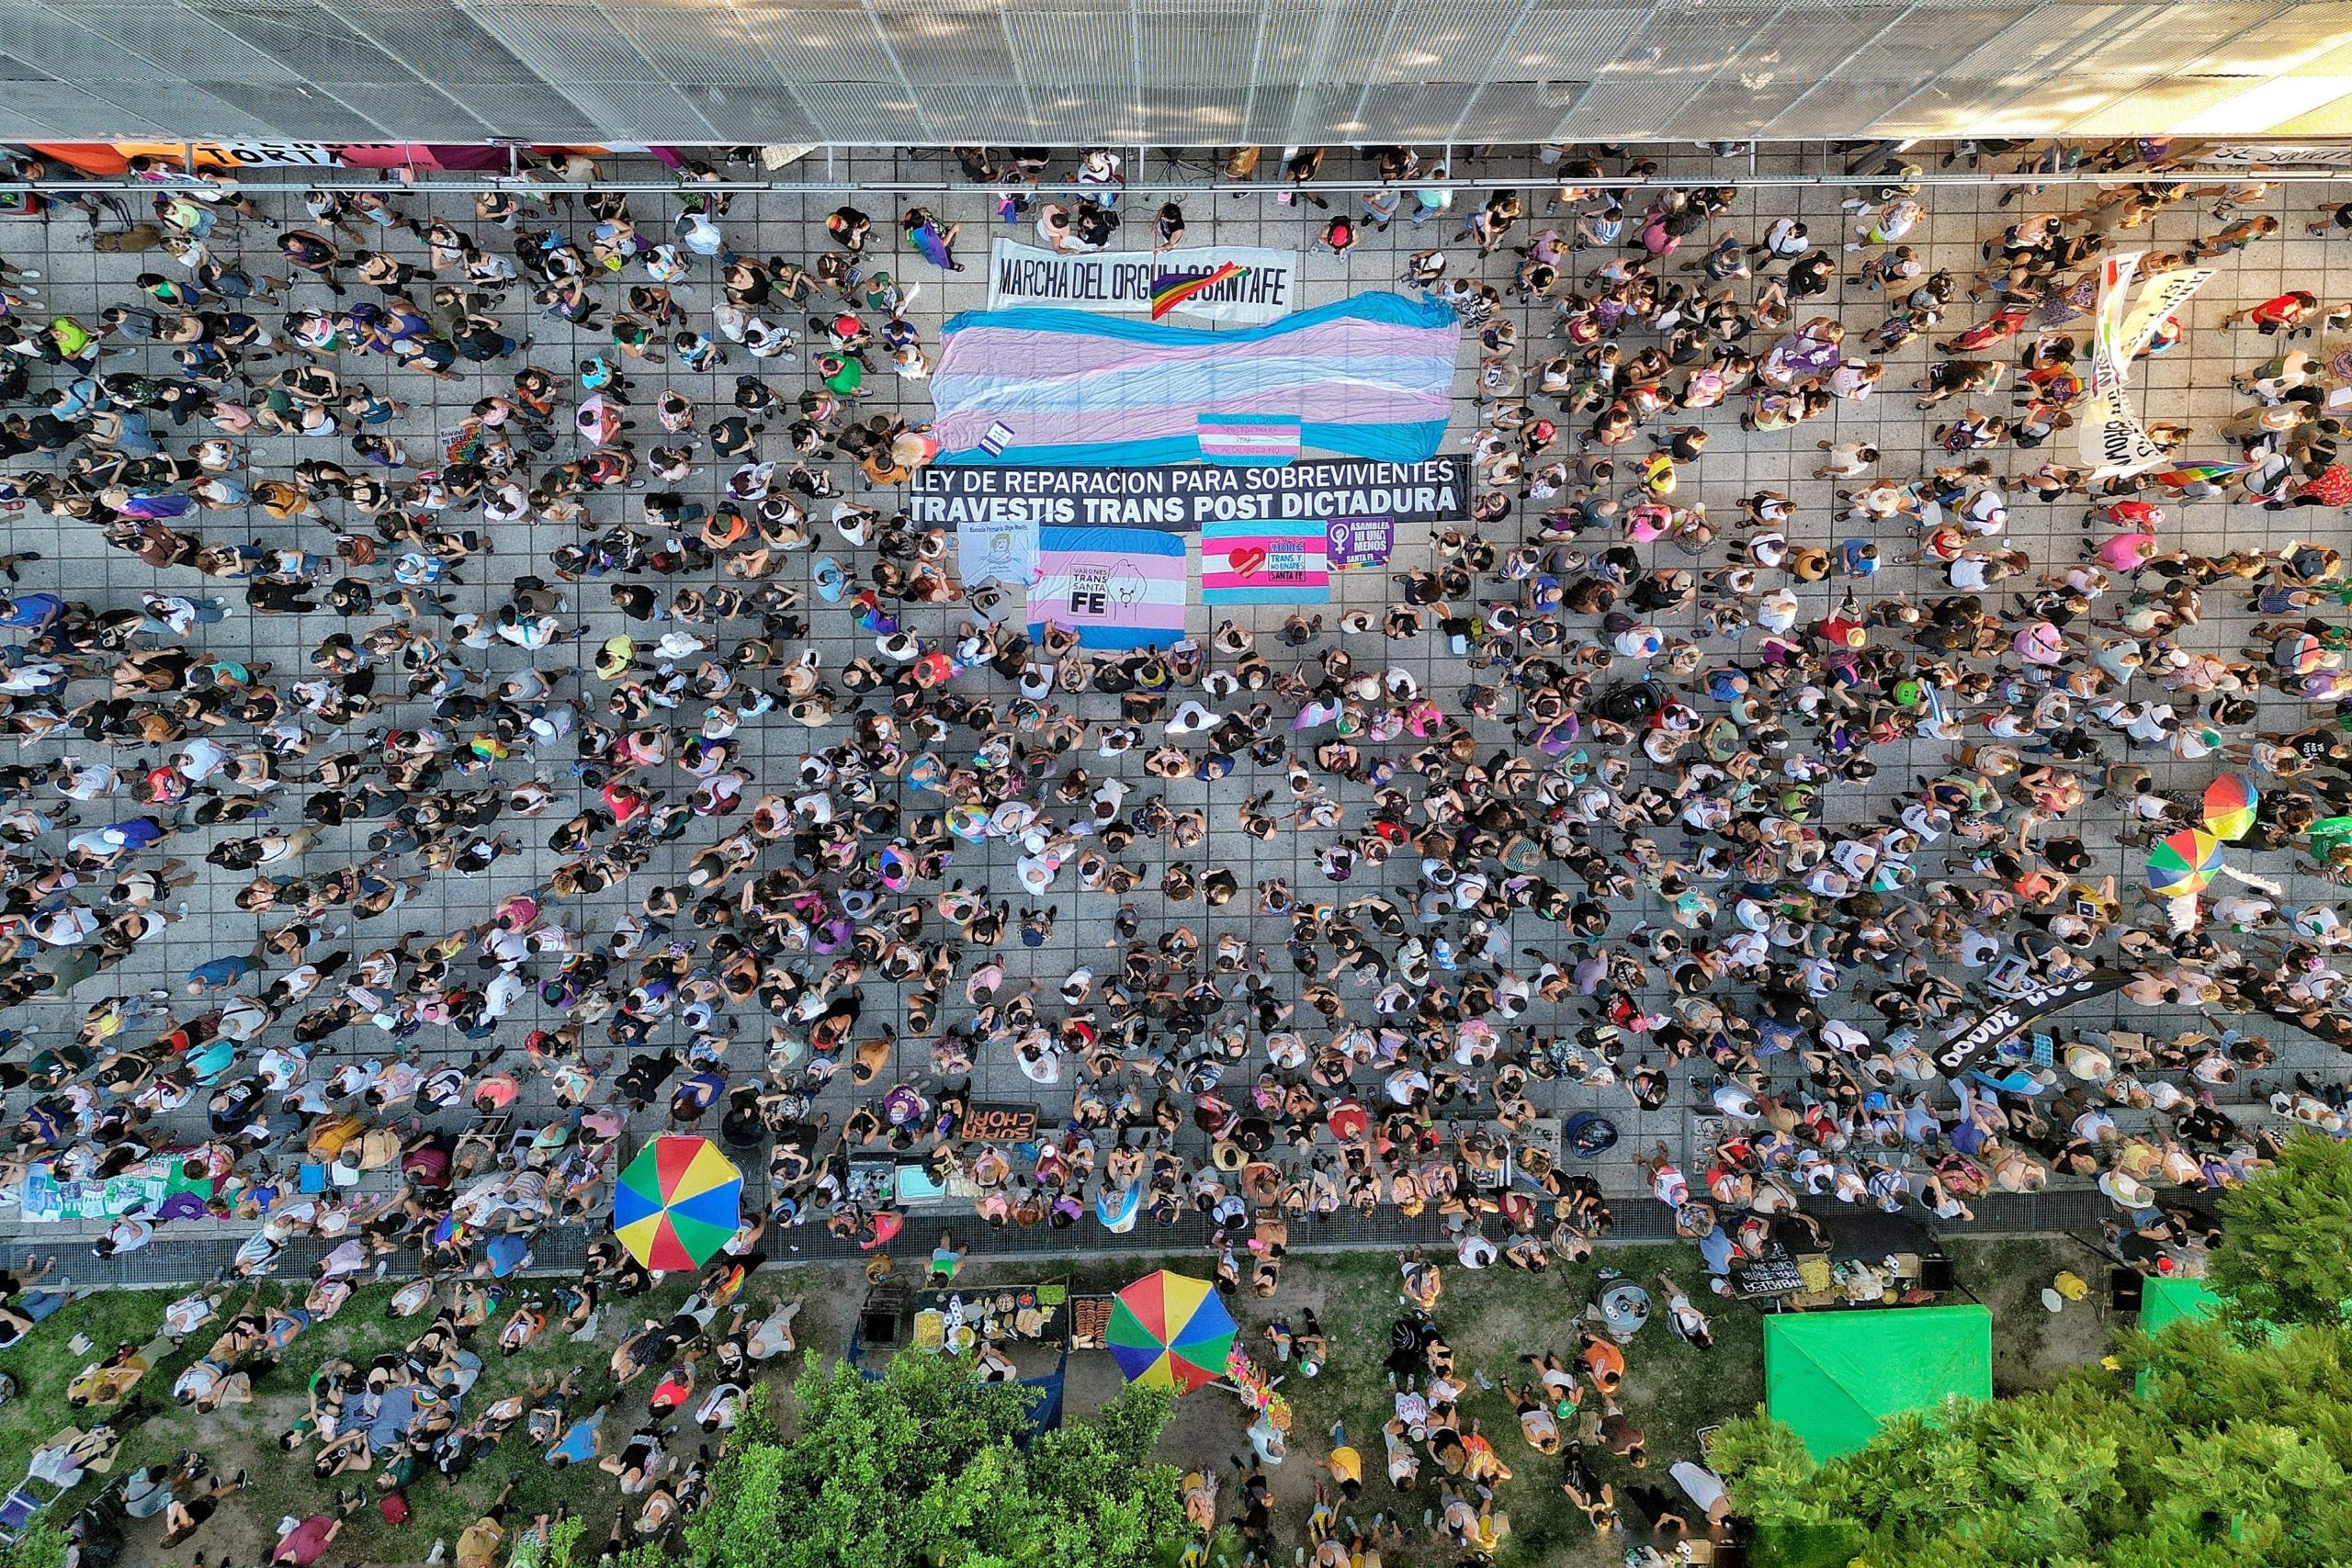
{"x": 1263, "y": 561}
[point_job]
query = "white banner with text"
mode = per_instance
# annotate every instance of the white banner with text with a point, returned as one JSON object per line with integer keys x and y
{"x": 1223, "y": 283}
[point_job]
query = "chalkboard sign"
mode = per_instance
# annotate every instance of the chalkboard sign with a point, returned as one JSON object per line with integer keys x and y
{"x": 1000, "y": 1121}
{"x": 1774, "y": 1274}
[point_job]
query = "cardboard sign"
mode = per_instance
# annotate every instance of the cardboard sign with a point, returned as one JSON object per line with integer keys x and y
{"x": 1001, "y": 1121}
{"x": 1266, "y": 563}
{"x": 996, "y": 552}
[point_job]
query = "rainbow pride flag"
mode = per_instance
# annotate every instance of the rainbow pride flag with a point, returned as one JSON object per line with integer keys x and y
{"x": 2187, "y": 474}
{"x": 1172, "y": 288}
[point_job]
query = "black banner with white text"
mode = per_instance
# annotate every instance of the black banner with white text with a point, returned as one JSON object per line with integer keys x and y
{"x": 1179, "y": 498}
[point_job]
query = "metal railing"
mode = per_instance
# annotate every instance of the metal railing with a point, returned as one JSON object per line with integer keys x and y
{"x": 197, "y": 1251}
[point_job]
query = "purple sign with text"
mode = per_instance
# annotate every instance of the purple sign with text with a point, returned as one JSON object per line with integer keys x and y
{"x": 1361, "y": 541}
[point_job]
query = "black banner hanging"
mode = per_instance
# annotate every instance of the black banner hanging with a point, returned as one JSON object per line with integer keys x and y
{"x": 1179, "y": 498}
{"x": 1975, "y": 1039}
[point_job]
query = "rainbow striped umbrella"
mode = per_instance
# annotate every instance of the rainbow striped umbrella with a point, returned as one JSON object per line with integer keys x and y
{"x": 677, "y": 1203}
{"x": 2184, "y": 864}
{"x": 2230, "y": 801}
{"x": 1170, "y": 1331}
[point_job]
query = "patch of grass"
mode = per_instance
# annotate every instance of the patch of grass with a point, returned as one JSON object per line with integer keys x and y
{"x": 1672, "y": 1390}
{"x": 281, "y": 1484}
{"x": 1491, "y": 1318}
{"x": 44, "y": 1364}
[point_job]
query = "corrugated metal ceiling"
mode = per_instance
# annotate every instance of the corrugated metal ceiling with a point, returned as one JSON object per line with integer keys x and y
{"x": 904, "y": 72}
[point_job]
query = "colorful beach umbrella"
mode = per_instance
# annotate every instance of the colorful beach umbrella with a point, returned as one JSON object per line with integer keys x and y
{"x": 1169, "y": 1331}
{"x": 2230, "y": 801}
{"x": 2184, "y": 864}
{"x": 677, "y": 1203}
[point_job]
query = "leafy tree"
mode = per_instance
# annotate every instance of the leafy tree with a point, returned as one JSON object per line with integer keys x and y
{"x": 1085, "y": 1475}
{"x": 925, "y": 1468}
{"x": 2234, "y": 1455}
{"x": 558, "y": 1550}
{"x": 43, "y": 1545}
{"x": 2286, "y": 1256}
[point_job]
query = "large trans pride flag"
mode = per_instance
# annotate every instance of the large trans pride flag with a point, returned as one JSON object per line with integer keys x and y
{"x": 1117, "y": 588}
{"x": 1370, "y": 376}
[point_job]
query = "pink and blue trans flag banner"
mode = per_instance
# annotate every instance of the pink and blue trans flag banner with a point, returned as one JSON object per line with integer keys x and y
{"x": 1116, "y": 588}
{"x": 1250, "y": 438}
{"x": 1371, "y": 377}
{"x": 1266, "y": 562}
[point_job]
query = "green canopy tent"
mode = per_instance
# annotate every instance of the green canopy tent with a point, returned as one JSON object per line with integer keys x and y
{"x": 1834, "y": 1376}
{"x": 2164, "y": 1301}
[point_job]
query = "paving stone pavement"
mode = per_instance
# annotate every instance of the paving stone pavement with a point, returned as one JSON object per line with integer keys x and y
{"x": 2189, "y": 383}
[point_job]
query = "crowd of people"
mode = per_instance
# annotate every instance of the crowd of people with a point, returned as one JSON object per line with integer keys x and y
{"x": 1638, "y": 706}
